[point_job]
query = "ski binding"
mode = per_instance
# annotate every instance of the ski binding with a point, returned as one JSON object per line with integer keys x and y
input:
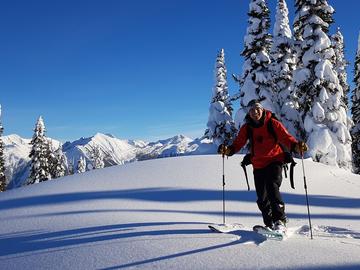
{"x": 269, "y": 233}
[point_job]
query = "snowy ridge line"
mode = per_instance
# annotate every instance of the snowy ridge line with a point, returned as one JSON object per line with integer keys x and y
{"x": 114, "y": 151}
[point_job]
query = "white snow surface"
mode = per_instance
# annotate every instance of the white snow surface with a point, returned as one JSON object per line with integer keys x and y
{"x": 154, "y": 215}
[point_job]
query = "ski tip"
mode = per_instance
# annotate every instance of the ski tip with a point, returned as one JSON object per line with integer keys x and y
{"x": 225, "y": 228}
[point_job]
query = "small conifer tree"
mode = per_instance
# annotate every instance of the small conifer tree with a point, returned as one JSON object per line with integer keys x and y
{"x": 40, "y": 165}
{"x": 2, "y": 159}
{"x": 221, "y": 128}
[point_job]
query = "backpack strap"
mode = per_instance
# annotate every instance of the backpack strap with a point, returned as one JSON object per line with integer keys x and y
{"x": 289, "y": 159}
{"x": 246, "y": 161}
{"x": 292, "y": 165}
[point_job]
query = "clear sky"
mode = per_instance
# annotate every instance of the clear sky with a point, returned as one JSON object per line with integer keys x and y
{"x": 137, "y": 69}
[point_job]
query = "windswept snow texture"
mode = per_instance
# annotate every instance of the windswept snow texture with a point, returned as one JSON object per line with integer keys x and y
{"x": 154, "y": 214}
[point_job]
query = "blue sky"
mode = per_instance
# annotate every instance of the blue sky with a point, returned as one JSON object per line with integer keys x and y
{"x": 137, "y": 69}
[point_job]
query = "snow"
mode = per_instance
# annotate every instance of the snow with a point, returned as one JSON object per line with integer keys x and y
{"x": 260, "y": 58}
{"x": 154, "y": 215}
{"x": 117, "y": 151}
{"x": 301, "y": 76}
{"x": 281, "y": 26}
{"x": 324, "y": 71}
{"x": 318, "y": 112}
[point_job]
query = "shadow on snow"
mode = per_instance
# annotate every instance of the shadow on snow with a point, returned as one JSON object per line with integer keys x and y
{"x": 34, "y": 241}
{"x": 174, "y": 195}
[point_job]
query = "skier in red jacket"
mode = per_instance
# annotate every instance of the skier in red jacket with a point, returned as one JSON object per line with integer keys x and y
{"x": 267, "y": 158}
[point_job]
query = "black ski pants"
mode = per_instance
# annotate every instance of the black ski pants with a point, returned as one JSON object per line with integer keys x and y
{"x": 269, "y": 201}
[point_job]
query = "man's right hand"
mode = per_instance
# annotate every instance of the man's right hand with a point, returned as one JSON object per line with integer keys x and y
{"x": 225, "y": 150}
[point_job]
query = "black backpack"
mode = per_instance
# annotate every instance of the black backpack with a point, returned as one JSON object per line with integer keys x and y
{"x": 288, "y": 155}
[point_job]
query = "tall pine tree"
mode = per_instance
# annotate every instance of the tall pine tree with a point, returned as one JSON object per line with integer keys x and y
{"x": 340, "y": 63}
{"x": 317, "y": 85}
{"x": 221, "y": 128}
{"x": 255, "y": 81}
{"x": 2, "y": 159}
{"x": 283, "y": 63}
{"x": 40, "y": 165}
{"x": 355, "y": 110}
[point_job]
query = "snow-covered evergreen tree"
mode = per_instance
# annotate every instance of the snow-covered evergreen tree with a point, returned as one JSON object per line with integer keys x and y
{"x": 318, "y": 88}
{"x": 255, "y": 81}
{"x": 40, "y": 165}
{"x": 221, "y": 128}
{"x": 71, "y": 167}
{"x": 2, "y": 159}
{"x": 81, "y": 165}
{"x": 340, "y": 62}
{"x": 283, "y": 64}
{"x": 96, "y": 157}
{"x": 58, "y": 163}
{"x": 355, "y": 110}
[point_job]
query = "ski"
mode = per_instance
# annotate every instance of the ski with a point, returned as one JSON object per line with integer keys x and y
{"x": 225, "y": 228}
{"x": 270, "y": 234}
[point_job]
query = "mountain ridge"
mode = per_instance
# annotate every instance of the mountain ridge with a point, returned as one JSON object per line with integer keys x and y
{"x": 115, "y": 151}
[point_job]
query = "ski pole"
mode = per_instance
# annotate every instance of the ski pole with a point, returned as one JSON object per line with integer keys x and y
{"x": 306, "y": 194}
{"x": 223, "y": 157}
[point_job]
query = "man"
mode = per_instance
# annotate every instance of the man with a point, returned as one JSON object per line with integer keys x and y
{"x": 267, "y": 157}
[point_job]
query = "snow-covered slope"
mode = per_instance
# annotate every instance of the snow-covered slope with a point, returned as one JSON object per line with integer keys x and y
{"x": 17, "y": 159}
{"x": 115, "y": 151}
{"x": 154, "y": 214}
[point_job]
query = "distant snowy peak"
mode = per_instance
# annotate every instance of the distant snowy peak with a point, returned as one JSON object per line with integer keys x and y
{"x": 115, "y": 151}
{"x": 14, "y": 139}
{"x": 178, "y": 139}
{"x": 16, "y": 154}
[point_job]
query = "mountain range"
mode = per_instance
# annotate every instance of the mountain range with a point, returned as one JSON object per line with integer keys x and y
{"x": 115, "y": 151}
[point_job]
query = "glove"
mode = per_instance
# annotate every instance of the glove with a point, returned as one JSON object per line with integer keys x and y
{"x": 300, "y": 147}
{"x": 225, "y": 150}
{"x": 222, "y": 149}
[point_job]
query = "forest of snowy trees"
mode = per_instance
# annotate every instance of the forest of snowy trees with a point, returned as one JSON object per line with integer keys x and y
{"x": 300, "y": 74}
{"x": 48, "y": 162}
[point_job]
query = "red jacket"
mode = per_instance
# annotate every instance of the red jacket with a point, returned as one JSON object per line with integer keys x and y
{"x": 265, "y": 148}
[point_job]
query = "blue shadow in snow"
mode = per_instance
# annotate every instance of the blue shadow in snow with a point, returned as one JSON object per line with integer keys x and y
{"x": 38, "y": 241}
{"x": 194, "y": 212}
{"x": 174, "y": 195}
{"x": 245, "y": 236}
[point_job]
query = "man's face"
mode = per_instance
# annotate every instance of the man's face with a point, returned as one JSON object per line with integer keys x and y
{"x": 256, "y": 113}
